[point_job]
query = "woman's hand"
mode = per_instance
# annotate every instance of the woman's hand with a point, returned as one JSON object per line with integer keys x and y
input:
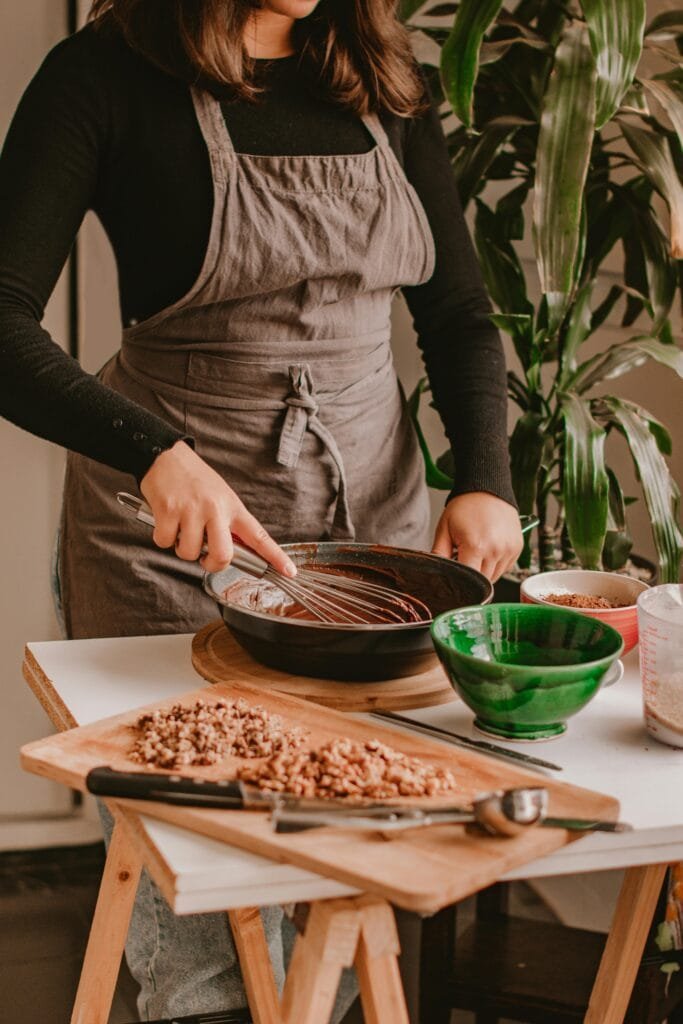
{"x": 484, "y": 529}
{"x": 192, "y": 504}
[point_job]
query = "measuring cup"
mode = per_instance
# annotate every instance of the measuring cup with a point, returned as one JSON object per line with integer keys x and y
{"x": 660, "y": 625}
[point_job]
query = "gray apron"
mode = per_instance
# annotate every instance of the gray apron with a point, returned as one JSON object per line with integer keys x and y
{"x": 278, "y": 362}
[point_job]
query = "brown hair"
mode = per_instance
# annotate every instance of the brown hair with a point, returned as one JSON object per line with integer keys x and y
{"x": 357, "y": 51}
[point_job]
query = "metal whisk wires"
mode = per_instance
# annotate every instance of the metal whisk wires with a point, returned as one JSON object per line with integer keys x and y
{"x": 335, "y": 598}
{"x": 327, "y": 595}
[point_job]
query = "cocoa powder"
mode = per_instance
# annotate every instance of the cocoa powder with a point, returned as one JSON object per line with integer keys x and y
{"x": 583, "y": 601}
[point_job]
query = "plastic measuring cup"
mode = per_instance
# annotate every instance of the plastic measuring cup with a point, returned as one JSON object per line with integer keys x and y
{"x": 660, "y": 625}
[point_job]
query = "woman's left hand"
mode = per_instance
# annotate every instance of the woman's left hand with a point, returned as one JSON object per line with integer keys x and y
{"x": 484, "y": 529}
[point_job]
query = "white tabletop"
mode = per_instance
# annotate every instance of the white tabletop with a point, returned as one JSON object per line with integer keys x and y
{"x": 605, "y": 748}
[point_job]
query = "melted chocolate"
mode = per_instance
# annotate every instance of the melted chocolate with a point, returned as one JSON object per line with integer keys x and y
{"x": 423, "y": 589}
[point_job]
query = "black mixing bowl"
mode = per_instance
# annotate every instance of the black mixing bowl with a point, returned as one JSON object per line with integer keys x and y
{"x": 352, "y": 652}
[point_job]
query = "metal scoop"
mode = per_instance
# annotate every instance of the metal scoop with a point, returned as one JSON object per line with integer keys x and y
{"x": 505, "y": 812}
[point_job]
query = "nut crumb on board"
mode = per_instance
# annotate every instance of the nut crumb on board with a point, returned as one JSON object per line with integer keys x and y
{"x": 204, "y": 734}
{"x": 342, "y": 768}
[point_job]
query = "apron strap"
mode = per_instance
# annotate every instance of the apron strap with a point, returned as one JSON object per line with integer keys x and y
{"x": 302, "y": 415}
{"x": 374, "y": 125}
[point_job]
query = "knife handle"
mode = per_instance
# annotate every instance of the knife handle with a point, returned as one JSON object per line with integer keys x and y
{"x": 105, "y": 781}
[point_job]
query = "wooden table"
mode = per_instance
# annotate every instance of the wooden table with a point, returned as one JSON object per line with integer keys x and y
{"x": 605, "y": 748}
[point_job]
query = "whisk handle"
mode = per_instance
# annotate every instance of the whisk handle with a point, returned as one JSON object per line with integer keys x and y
{"x": 244, "y": 558}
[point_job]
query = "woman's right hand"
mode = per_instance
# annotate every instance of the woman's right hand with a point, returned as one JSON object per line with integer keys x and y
{"x": 192, "y": 505}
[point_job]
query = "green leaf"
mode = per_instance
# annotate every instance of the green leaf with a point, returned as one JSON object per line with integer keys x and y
{"x": 616, "y": 549}
{"x": 616, "y": 28}
{"x": 657, "y": 163}
{"x": 526, "y": 454}
{"x": 579, "y": 328}
{"x": 601, "y": 313}
{"x": 634, "y": 100}
{"x": 585, "y": 481}
{"x": 460, "y": 54}
{"x": 618, "y": 541}
{"x": 609, "y": 222}
{"x": 474, "y": 159}
{"x": 670, "y": 97}
{"x": 659, "y": 488}
{"x": 408, "y": 7}
{"x": 492, "y": 52}
{"x": 434, "y": 477}
{"x": 661, "y": 278}
{"x": 510, "y": 212}
{"x": 626, "y": 356}
{"x": 635, "y": 279}
{"x": 666, "y": 20}
{"x": 564, "y": 148}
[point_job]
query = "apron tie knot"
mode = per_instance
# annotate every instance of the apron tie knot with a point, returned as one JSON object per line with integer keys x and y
{"x": 302, "y": 415}
{"x": 301, "y": 407}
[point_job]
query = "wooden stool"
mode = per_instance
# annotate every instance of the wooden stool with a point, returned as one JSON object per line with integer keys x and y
{"x": 359, "y": 931}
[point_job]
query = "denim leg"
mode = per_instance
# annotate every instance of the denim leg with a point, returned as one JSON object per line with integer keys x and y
{"x": 187, "y": 965}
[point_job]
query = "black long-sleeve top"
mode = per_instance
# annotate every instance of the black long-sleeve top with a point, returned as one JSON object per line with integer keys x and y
{"x": 100, "y": 128}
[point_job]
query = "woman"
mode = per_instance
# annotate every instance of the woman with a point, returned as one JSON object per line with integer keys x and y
{"x": 269, "y": 176}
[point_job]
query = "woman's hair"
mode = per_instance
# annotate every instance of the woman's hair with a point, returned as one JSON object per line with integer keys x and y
{"x": 357, "y": 51}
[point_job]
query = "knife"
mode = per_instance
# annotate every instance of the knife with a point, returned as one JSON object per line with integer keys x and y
{"x": 221, "y": 794}
{"x": 183, "y": 790}
{"x": 464, "y": 741}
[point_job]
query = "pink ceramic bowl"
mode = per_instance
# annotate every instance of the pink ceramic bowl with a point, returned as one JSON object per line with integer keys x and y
{"x": 611, "y": 585}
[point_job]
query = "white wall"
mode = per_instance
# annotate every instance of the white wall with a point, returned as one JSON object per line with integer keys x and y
{"x": 31, "y": 471}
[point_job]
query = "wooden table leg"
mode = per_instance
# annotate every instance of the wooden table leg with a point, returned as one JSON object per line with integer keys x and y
{"x": 109, "y": 929}
{"x": 376, "y": 964}
{"x": 327, "y": 945}
{"x": 257, "y": 970}
{"x": 339, "y": 933}
{"x": 625, "y": 943}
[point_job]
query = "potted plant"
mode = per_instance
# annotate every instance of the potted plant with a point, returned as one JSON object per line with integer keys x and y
{"x": 547, "y": 101}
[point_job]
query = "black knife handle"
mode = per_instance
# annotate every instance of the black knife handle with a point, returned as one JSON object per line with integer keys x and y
{"x": 105, "y": 781}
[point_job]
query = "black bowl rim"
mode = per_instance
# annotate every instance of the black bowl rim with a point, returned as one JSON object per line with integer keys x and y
{"x": 351, "y": 627}
{"x": 525, "y": 609}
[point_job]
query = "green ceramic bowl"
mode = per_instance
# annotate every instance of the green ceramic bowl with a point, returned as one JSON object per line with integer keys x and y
{"x": 524, "y": 669}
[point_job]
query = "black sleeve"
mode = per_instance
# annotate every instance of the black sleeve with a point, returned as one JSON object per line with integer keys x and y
{"x": 48, "y": 179}
{"x": 462, "y": 350}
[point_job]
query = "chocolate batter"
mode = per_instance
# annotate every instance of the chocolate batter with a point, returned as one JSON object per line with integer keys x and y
{"x": 420, "y": 594}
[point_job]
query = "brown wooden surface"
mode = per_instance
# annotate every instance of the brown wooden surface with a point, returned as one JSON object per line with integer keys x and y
{"x": 46, "y": 693}
{"x": 109, "y": 929}
{"x": 218, "y": 657}
{"x": 625, "y": 943}
{"x": 257, "y": 970}
{"x": 420, "y": 871}
{"x": 376, "y": 964}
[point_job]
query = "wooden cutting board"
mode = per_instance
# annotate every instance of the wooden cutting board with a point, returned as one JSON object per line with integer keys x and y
{"x": 218, "y": 657}
{"x": 421, "y": 871}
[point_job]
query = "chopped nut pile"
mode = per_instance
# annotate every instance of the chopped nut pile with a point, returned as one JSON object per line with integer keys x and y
{"x": 342, "y": 768}
{"x": 206, "y": 733}
{"x": 582, "y": 601}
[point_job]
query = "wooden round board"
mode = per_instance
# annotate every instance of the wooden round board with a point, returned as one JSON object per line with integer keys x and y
{"x": 218, "y": 657}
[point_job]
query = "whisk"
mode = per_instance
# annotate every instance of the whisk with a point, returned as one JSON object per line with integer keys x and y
{"x": 325, "y": 593}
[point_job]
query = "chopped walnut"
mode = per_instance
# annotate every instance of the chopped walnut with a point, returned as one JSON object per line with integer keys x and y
{"x": 205, "y": 734}
{"x": 344, "y": 769}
